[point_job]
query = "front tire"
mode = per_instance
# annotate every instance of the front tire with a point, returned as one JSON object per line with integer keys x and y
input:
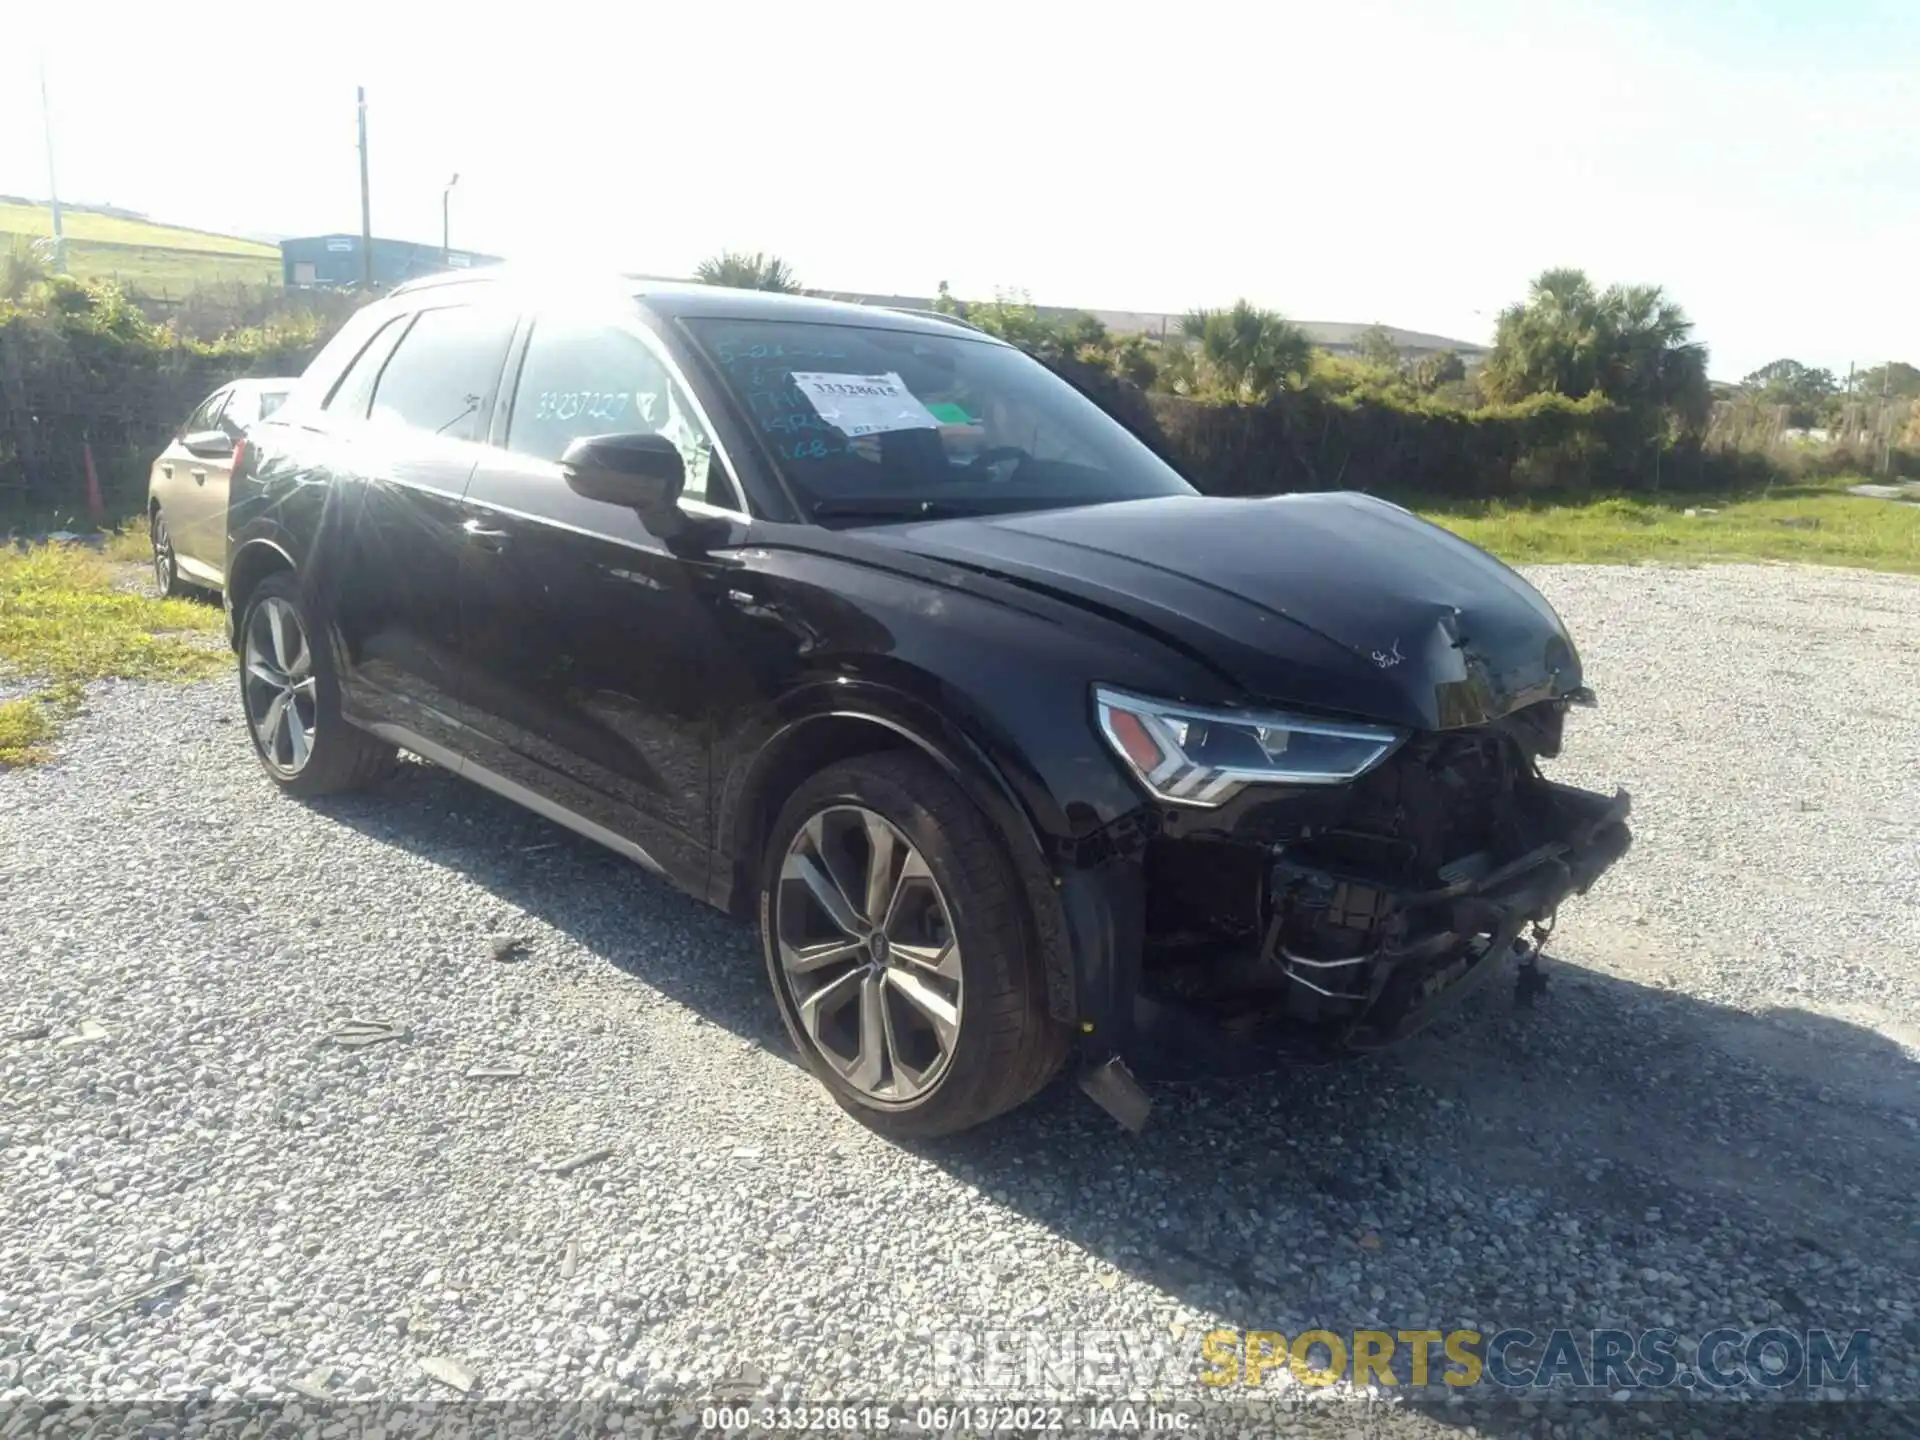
{"x": 897, "y": 941}
{"x": 166, "y": 564}
{"x": 291, "y": 697}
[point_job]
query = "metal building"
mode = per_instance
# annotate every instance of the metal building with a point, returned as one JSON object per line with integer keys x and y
{"x": 334, "y": 260}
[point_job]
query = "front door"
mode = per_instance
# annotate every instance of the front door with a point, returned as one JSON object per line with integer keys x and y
{"x": 592, "y": 647}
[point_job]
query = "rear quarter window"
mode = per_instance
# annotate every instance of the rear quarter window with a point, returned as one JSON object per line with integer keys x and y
{"x": 323, "y": 372}
{"x": 207, "y": 415}
{"x": 351, "y": 397}
{"x": 243, "y": 409}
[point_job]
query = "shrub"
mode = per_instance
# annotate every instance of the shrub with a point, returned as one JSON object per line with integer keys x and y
{"x": 1244, "y": 354}
{"x": 81, "y": 366}
{"x": 1316, "y": 440}
{"x": 758, "y": 271}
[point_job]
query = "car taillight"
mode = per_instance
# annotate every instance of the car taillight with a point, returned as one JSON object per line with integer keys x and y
{"x": 239, "y": 453}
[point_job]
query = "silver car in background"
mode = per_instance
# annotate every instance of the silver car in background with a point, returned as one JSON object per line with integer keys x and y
{"x": 187, "y": 489}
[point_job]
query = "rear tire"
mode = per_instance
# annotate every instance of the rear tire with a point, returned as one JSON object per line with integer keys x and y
{"x": 291, "y": 698}
{"x": 166, "y": 564}
{"x": 917, "y": 998}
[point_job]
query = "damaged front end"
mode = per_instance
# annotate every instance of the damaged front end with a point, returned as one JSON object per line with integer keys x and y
{"x": 1306, "y": 920}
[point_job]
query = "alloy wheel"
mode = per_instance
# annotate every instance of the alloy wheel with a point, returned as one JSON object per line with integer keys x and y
{"x": 279, "y": 684}
{"x": 868, "y": 953}
{"x": 162, "y": 553}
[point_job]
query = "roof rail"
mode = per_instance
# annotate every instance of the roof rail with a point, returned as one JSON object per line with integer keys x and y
{"x": 498, "y": 270}
{"x": 951, "y": 319}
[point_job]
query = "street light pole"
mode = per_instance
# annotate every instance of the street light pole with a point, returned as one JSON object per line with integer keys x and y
{"x": 446, "y": 245}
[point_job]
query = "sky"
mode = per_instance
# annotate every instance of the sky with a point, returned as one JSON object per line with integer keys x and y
{"x": 1412, "y": 162}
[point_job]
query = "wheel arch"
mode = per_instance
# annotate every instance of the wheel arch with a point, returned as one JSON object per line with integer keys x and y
{"x": 253, "y": 562}
{"x": 809, "y": 743}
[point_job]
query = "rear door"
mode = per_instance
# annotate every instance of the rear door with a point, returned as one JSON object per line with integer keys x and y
{"x": 593, "y": 649}
{"x": 181, "y": 484}
{"x": 408, "y": 421}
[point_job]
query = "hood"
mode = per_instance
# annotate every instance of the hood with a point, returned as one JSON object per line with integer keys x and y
{"x": 1338, "y": 603}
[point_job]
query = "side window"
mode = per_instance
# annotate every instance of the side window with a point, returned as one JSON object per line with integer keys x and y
{"x": 444, "y": 372}
{"x": 207, "y": 416}
{"x": 355, "y": 391}
{"x": 596, "y": 379}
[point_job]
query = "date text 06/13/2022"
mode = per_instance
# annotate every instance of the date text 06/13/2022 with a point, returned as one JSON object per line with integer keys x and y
{"x": 960, "y": 1419}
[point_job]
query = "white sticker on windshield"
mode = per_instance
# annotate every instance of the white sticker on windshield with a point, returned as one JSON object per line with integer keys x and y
{"x": 864, "y": 404}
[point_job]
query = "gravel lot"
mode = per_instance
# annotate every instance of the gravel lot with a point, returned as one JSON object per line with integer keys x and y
{"x": 1710, "y": 1120}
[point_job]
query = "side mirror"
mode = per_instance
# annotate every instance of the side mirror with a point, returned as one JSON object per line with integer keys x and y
{"x": 642, "y": 473}
{"x": 209, "y": 444}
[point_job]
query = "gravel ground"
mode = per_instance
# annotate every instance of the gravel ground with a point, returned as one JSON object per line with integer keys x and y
{"x": 1710, "y": 1120}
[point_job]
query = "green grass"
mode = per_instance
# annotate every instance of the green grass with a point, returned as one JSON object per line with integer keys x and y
{"x": 63, "y": 623}
{"x": 147, "y": 259}
{"x": 79, "y": 225}
{"x": 26, "y": 725}
{"x": 130, "y": 542}
{"x": 153, "y": 271}
{"x": 1815, "y": 523}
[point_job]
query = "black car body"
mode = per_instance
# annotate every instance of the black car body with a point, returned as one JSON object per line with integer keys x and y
{"x": 1182, "y": 775}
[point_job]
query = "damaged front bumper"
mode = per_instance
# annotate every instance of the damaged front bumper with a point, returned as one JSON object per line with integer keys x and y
{"x": 1436, "y": 944}
{"x": 1345, "y": 957}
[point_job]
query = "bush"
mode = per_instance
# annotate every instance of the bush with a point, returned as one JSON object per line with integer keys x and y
{"x": 1316, "y": 440}
{"x": 81, "y": 366}
{"x": 1244, "y": 406}
{"x": 1316, "y": 421}
{"x": 212, "y": 311}
{"x": 1238, "y": 405}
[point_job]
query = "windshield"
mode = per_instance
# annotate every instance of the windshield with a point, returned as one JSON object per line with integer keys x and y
{"x": 887, "y": 424}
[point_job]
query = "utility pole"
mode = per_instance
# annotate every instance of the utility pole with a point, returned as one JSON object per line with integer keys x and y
{"x": 1886, "y": 430}
{"x": 366, "y": 202}
{"x": 53, "y": 188}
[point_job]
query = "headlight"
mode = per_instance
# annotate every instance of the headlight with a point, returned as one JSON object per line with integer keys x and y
{"x": 1193, "y": 756}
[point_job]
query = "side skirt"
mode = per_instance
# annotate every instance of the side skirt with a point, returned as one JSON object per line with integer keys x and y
{"x": 518, "y": 794}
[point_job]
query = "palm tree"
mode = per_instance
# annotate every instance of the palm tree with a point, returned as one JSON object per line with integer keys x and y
{"x": 1247, "y": 352}
{"x": 1629, "y": 343}
{"x": 741, "y": 271}
{"x": 1652, "y": 358}
{"x": 22, "y": 267}
{"x": 1549, "y": 342}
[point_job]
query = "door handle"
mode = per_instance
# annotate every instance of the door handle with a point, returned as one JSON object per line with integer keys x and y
{"x": 478, "y": 534}
{"x": 167, "y": 470}
{"x": 199, "y": 476}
